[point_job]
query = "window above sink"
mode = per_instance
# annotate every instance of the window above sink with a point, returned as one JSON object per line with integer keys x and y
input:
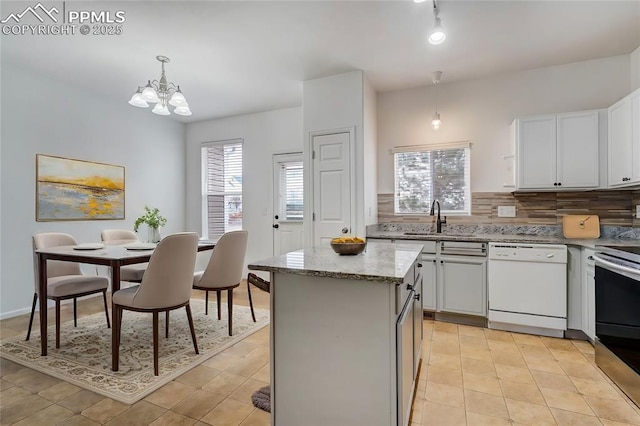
{"x": 433, "y": 172}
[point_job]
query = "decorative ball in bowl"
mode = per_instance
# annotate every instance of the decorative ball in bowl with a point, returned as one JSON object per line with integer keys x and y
{"x": 348, "y": 245}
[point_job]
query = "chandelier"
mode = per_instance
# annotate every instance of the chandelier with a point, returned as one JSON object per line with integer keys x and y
{"x": 161, "y": 93}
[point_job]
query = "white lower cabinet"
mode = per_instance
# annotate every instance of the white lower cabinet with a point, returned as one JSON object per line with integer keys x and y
{"x": 588, "y": 294}
{"x": 462, "y": 285}
{"x": 429, "y": 282}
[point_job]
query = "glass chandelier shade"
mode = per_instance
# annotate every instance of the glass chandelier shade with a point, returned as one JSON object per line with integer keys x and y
{"x": 137, "y": 100}
{"x": 162, "y": 93}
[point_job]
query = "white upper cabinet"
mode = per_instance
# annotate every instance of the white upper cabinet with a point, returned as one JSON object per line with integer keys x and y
{"x": 624, "y": 141}
{"x": 536, "y": 152}
{"x": 557, "y": 151}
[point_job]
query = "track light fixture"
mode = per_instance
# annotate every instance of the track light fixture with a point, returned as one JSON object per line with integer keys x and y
{"x": 437, "y": 35}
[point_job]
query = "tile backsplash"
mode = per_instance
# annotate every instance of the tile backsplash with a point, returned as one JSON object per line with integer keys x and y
{"x": 533, "y": 208}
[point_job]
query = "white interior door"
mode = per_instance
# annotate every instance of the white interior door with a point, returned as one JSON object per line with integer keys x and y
{"x": 288, "y": 204}
{"x": 332, "y": 186}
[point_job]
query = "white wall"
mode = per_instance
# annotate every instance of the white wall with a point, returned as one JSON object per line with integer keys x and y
{"x": 634, "y": 59}
{"x": 44, "y": 116}
{"x": 370, "y": 178}
{"x": 481, "y": 111}
{"x": 337, "y": 102}
{"x": 264, "y": 134}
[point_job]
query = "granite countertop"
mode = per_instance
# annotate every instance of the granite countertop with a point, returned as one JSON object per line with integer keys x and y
{"x": 503, "y": 238}
{"x": 381, "y": 262}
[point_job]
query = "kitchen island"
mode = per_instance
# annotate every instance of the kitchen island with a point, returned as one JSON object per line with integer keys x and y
{"x": 346, "y": 335}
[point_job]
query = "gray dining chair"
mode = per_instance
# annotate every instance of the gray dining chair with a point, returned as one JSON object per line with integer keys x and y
{"x": 65, "y": 280}
{"x": 261, "y": 283}
{"x": 224, "y": 271}
{"x": 165, "y": 286}
{"x": 132, "y": 273}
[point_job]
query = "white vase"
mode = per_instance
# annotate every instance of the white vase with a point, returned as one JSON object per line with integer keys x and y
{"x": 153, "y": 235}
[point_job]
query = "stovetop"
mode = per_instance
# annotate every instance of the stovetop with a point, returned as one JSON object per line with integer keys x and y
{"x": 631, "y": 254}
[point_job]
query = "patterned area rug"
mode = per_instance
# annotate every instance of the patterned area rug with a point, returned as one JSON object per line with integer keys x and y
{"x": 84, "y": 357}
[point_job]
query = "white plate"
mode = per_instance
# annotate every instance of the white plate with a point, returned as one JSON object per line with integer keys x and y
{"x": 140, "y": 246}
{"x": 89, "y": 246}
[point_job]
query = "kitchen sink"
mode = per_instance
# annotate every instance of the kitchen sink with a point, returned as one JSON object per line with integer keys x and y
{"x": 430, "y": 234}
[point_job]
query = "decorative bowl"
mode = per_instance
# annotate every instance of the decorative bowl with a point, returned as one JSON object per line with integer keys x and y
{"x": 348, "y": 248}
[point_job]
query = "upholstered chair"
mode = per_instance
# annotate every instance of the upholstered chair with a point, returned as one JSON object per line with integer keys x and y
{"x": 165, "y": 286}
{"x": 224, "y": 271}
{"x": 65, "y": 280}
{"x": 132, "y": 273}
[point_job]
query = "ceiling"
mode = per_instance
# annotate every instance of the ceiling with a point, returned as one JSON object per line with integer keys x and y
{"x": 240, "y": 57}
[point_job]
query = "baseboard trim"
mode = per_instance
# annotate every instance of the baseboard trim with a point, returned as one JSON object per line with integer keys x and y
{"x": 50, "y": 304}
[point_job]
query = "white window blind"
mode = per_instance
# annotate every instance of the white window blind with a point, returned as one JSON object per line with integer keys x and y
{"x": 291, "y": 190}
{"x": 223, "y": 188}
{"x": 423, "y": 175}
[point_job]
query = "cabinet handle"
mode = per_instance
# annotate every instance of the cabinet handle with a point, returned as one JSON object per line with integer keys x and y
{"x": 559, "y": 183}
{"x": 434, "y": 261}
{"x": 419, "y": 265}
{"x": 555, "y": 183}
{"x": 417, "y": 296}
{"x": 590, "y": 258}
{"x": 409, "y": 287}
{"x": 442, "y": 261}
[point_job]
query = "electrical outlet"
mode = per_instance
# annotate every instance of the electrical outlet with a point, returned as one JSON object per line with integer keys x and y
{"x": 506, "y": 211}
{"x": 638, "y": 211}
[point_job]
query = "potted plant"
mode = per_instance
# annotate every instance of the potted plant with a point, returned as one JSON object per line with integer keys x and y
{"x": 154, "y": 220}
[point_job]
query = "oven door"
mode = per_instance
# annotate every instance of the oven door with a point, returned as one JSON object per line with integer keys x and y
{"x": 617, "y": 298}
{"x": 618, "y": 322}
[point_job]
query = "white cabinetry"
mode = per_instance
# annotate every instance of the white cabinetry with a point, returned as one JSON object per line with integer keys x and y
{"x": 351, "y": 331}
{"x": 559, "y": 151}
{"x": 624, "y": 141}
{"x": 428, "y": 282}
{"x": 588, "y": 294}
{"x": 462, "y": 285}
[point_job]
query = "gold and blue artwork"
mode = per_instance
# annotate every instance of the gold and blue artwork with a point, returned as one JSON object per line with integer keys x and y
{"x": 68, "y": 189}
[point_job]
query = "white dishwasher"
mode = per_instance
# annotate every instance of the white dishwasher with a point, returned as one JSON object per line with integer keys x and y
{"x": 528, "y": 288}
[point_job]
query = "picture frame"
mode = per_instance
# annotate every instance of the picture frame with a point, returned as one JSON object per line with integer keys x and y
{"x": 70, "y": 189}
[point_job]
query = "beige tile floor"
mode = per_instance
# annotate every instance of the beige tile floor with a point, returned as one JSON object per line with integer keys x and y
{"x": 469, "y": 376}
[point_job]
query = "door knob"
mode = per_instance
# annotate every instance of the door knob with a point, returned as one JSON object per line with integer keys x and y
{"x": 345, "y": 230}
{"x": 276, "y": 226}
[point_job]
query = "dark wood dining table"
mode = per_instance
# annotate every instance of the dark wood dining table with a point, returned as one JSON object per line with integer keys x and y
{"x": 113, "y": 256}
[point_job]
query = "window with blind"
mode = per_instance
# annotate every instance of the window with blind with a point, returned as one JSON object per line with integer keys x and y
{"x": 291, "y": 190}
{"x": 222, "y": 187}
{"x": 424, "y": 175}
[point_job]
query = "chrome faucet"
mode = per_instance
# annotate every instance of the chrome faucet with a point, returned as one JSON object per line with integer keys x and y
{"x": 439, "y": 222}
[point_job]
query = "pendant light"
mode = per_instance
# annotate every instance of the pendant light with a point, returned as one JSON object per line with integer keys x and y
{"x": 435, "y": 121}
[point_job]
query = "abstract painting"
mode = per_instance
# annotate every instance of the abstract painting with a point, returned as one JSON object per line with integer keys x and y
{"x": 70, "y": 189}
